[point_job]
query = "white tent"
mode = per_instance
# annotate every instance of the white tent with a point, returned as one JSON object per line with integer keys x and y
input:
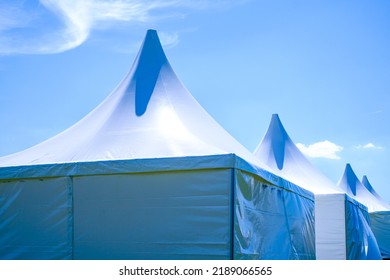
{"x": 149, "y": 174}
{"x": 378, "y": 209}
{"x": 380, "y": 204}
{"x": 341, "y": 229}
{"x": 380, "y": 219}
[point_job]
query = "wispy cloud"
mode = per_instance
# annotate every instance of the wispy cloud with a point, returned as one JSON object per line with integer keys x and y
{"x": 323, "y": 149}
{"x": 376, "y": 112}
{"x": 368, "y": 146}
{"x": 9, "y": 16}
{"x": 75, "y": 20}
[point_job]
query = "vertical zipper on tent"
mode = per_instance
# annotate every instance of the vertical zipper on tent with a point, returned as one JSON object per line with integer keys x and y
{"x": 232, "y": 219}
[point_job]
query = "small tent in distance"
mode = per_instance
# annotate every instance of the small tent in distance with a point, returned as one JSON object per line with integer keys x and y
{"x": 149, "y": 174}
{"x": 380, "y": 219}
{"x": 341, "y": 228}
{"x": 354, "y": 188}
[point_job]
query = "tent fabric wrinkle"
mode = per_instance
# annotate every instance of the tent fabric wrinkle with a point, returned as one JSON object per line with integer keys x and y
{"x": 281, "y": 216}
{"x": 379, "y": 218}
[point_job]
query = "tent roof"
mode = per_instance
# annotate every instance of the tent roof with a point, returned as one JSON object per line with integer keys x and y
{"x": 350, "y": 183}
{"x": 366, "y": 183}
{"x": 279, "y": 152}
{"x": 149, "y": 115}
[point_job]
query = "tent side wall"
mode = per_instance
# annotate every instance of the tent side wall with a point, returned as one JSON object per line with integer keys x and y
{"x": 211, "y": 209}
{"x": 164, "y": 215}
{"x": 361, "y": 242}
{"x": 36, "y": 219}
{"x": 271, "y": 223}
{"x": 380, "y": 225}
{"x": 157, "y": 215}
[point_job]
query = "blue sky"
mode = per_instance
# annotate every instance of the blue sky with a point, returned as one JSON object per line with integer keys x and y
{"x": 323, "y": 66}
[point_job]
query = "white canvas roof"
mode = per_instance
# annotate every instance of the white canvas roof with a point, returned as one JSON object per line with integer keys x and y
{"x": 371, "y": 189}
{"x": 350, "y": 183}
{"x": 149, "y": 115}
{"x": 279, "y": 152}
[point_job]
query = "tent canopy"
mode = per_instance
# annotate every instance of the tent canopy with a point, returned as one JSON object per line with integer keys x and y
{"x": 278, "y": 151}
{"x": 350, "y": 183}
{"x": 379, "y": 213}
{"x": 149, "y": 115}
{"x": 366, "y": 183}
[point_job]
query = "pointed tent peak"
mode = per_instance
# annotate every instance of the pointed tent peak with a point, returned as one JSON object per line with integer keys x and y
{"x": 275, "y": 117}
{"x": 151, "y": 32}
{"x": 276, "y": 124}
{"x": 151, "y": 50}
{"x": 277, "y": 136}
{"x": 271, "y": 149}
{"x": 277, "y": 130}
{"x": 349, "y": 181}
{"x": 361, "y": 193}
{"x": 152, "y": 38}
{"x": 367, "y": 184}
{"x": 152, "y": 45}
{"x": 149, "y": 62}
{"x": 279, "y": 152}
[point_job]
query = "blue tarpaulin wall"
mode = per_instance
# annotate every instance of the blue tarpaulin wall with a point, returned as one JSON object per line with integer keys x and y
{"x": 219, "y": 213}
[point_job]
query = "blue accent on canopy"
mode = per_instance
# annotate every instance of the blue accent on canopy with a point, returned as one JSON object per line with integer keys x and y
{"x": 151, "y": 59}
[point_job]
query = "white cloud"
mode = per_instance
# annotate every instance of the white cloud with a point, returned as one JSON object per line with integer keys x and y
{"x": 77, "y": 19}
{"x": 376, "y": 112}
{"x": 169, "y": 40}
{"x": 323, "y": 149}
{"x": 368, "y": 146}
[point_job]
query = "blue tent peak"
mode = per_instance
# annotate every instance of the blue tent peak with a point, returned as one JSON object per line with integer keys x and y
{"x": 279, "y": 138}
{"x": 148, "y": 64}
{"x": 367, "y": 184}
{"x": 351, "y": 179}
